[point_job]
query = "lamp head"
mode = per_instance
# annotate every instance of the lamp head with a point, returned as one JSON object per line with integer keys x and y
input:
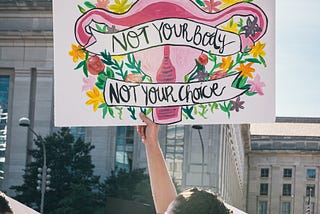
{"x": 197, "y": 127}
{"x": 24, "y": 121}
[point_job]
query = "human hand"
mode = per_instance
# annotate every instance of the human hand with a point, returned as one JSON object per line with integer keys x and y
{"x": 148, "y": 132}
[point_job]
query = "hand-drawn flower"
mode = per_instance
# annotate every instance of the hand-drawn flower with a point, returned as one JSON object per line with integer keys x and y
{"x": 95, "y": 65}
{"x": 227, "y": 3}
{"x": 252, "y": 27}
{"x": 211, "y": 6}
{"x": 88, "y": 83}
{"x": 231, "y": 26}
{"x": 201, "y": 74}
{"x": 203, "y": 59}
{"x": 102, "y": 4}
{"x": 134, "y": 78}
{"x": 76, "y": 52}
{"x": 226, "y": 62}
{"x": 246, "y": 70}
{"x": 257, "y": 49}
{"x": 120, "y": 6}
{"x": 237, "y": 105}
{"x": 118, "y": 57}
{"x": 256, "y": 85}
{"x": 218, "y": 75}
{"x": 96, "y": 98}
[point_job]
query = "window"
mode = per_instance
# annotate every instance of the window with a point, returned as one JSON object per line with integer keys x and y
{"x": 124, "y": 147}
{"x": 311, "y": 173}
{"x": 285, "y": 207}
{"x": 263, "y": 207}
{"x": 286, "y": 190}
{"x": 174, "y": 151}
{"x": 287, "y": 173}
{"x": 264, "y": 172}
{"x": 4, "y": 100}
{"x": 310, "y": 190}
{"x": 78, "y": 132}
{"x": 263, "y": 189}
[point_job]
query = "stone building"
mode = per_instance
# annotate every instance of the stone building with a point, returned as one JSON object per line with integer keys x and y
{"x": 26, "y": 90}
{"x": 284, "y": 167}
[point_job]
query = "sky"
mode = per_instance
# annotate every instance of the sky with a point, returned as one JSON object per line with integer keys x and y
{"x": 297, "y": 58}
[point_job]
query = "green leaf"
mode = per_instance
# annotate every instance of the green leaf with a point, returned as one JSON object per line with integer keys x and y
{"x": 79, "y": 65}
{"x": 99, "y": 28}
{"x": 149, "y": 111}
{"x": 111, "y": 112}
{"x": 85, "y": 70}
{"x": 263, "y": 61}
{"x": 254, "y": 60}
{"x": 186, "y": 78}
{"x": 218, "y": 65}
{"x": 81, "y": 9}
{"x": 104, "y": 29}
{"x": 229, "y": 106}
{"x": 200, "y": 3}
{"x": 110, "y": 73}
{"x": 250, "y": 93}
{"x": 223, "y": 108}
{"x": 89, "y": 4}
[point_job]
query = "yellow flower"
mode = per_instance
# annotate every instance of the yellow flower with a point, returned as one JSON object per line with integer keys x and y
{"x": 231, "y": 27}
{"x": 226, "y": 62}
{"x": 96, "y": 98}
{"x": 257, "y": 49}
{"x": 227, "y": 3}
{"x": 120, "y": 6}
{"x": 76, "y": 52}
{"x": 118, "y": 57}
{"x": 246, "y": 70}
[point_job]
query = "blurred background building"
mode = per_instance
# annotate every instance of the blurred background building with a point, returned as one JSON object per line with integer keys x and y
{"x": 26, "y": 90}
{"x": 284, "y": 167}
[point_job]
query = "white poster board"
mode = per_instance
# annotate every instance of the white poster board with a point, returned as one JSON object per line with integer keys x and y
{"x": 178, "y": 61}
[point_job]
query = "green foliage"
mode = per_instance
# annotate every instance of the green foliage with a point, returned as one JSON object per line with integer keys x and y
{"x": 134, "y": 186}
{"x": 72, "y": 179}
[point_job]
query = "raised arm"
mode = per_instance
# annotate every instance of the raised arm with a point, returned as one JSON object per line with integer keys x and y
{"x": 163, "y": 190}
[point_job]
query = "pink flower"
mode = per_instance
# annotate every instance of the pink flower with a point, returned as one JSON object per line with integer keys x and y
{"x": 102, "y": 4}
{"x": 88, "y": 83}
{"x": 256, "y": 85}
{"x": 218, "y": 75}
{"x": 211, "y": 6}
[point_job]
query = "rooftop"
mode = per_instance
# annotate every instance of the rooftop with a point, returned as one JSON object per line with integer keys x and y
{"x": 285, "y": 126}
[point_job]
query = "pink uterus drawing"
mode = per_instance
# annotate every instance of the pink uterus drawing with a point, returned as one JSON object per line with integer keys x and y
{"x": 167, "y": 64}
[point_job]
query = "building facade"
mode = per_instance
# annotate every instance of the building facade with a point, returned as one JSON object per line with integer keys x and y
{"x": 26, "y": 90}
{"x": 284, "y": 168}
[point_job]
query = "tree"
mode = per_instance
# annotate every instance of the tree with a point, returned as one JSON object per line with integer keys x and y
{"x": 134, "y": 186}
{"x": 73, "y": 185}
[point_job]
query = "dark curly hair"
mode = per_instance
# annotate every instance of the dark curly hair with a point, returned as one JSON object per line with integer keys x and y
{"x": 4, "y": 205}
{"x": 193, "y": 201}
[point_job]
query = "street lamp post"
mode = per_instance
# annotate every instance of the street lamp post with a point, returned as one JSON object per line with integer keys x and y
{"x": 25, "y": 122}
{"x": 199, "y": 127}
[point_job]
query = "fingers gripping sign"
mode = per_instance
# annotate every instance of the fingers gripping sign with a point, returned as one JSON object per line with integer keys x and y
{"x": 148, "y": 132}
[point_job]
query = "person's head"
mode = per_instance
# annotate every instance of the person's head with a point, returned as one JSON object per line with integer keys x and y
{"x": 193, "y": 201}
{"x": 4, "y": 205}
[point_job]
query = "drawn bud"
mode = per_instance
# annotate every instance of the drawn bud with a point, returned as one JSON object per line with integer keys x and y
{"x": 203, "y": 59}
{"x": 134, "y": 78}
{"x": 95, "y": 65}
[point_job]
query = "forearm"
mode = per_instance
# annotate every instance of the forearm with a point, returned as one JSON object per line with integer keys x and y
{"x": 163, "y": 190}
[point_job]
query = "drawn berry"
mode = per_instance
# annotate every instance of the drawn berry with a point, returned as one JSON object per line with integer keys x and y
{"x": 203, "y": 59}
{"x": 95, "y": 65}
{"x": 134, "y": 78}
{"x": 218, "y": 75}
